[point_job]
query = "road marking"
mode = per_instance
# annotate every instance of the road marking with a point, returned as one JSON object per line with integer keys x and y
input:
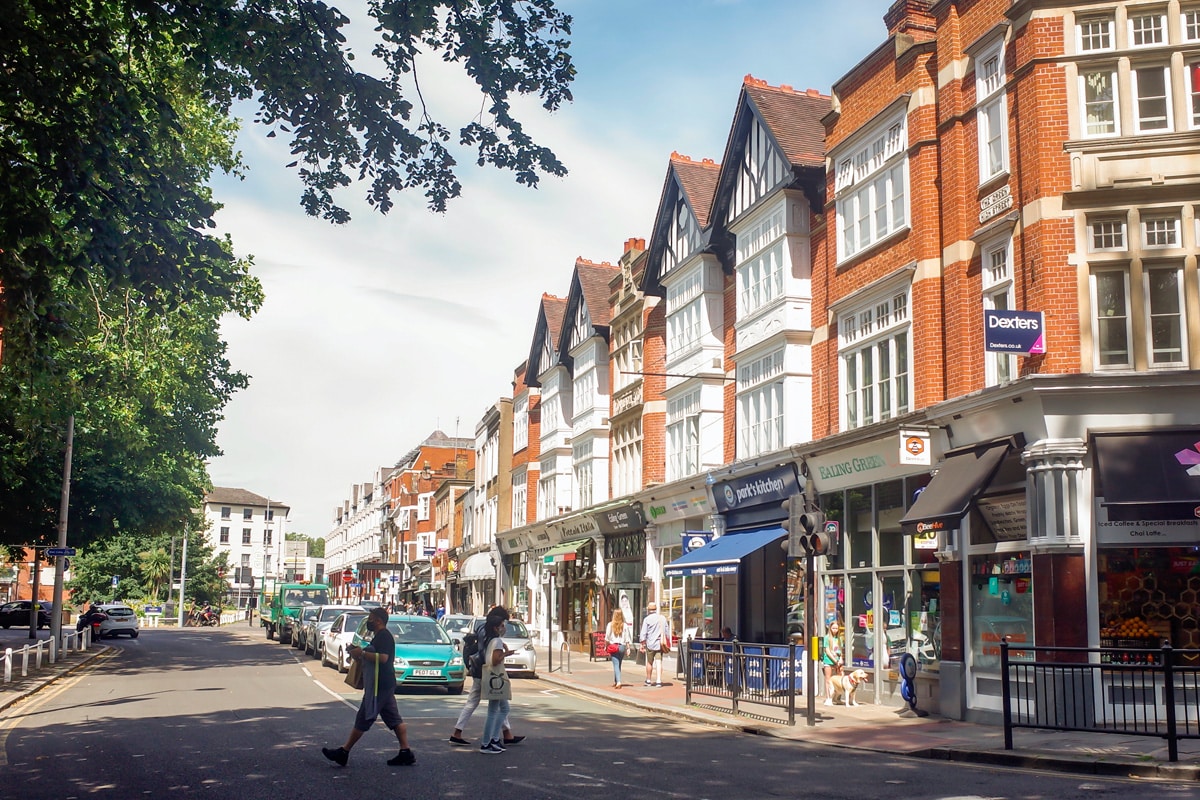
{"x": 306, "y": 672}
{"x": 35, "y": 701}
{"x": 334, "y": 694}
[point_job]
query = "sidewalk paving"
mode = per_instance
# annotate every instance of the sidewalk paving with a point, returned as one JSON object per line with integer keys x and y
{"x": 886, "y": 729}
{"x": 867, "y": 727}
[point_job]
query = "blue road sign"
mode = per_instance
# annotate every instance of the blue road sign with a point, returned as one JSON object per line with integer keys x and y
{"x": 60, "y": 551}
{"x": 116, "y": 580}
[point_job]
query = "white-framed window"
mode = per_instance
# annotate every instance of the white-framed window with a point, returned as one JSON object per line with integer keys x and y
{"x": 267, "y": 537}
{"x": 627, "y": 458}
{"x": 1164, "y": 313}
{"x": 998, "y": 296}
{"x": 760, "y": 405}
{"x": 247, "y": 514}
{"x": 245, "y": 536}
{"x": 245, "y": 560}
{"x": 683, "y": 436}
{"x": 1192, "y": 76}
{"x": 224, "y": 534}
{"x": 1191, "y": 24}
{"x": 685, "y": 311}
{"x": 1151, "y": 86}
{"x": 762, "y": 261}
{"x": 547, "y": 497}
{"x": 1146, "y": 30}
{"x": 627, "y": 354}
{"x": 872, "y": 189}
{"x": 874, "y": 343}
{"x": 1099, "y": 92}
{"x": 520, "y": 497}
{"x": 1160, "y": 231}
{"x": 521, "y": 423}
{"x": 1111, "y": 323}
{"x": 1106, "y": 234}
{"x": 226, "y": 512}
{"x": 992, "y": 116}
{"x": 1094, "y": 35}
{"x": 550, "y": 414}
{"x": 423, "y": 507}
{"x": 584, "y": 388}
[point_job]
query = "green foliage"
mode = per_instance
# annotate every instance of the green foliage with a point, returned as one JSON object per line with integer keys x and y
{"x": 142, "y": 564}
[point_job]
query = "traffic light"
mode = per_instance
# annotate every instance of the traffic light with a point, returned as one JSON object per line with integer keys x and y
{"x": 809, "y": 534}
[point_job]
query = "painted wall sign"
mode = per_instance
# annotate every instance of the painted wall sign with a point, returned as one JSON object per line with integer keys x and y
{"x": 1006, "y": 516}
{"x": 1019, "y": 332}
{"x": 995, "y": 203}
{"x": 571, "y": 528}
{"x": 692, "y": 503}
{"x": 1144, "y": 533}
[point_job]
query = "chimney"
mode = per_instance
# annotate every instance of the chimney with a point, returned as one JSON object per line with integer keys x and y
{"x": 911, "y": 17}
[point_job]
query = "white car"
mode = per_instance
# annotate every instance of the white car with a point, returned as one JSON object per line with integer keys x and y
{"x": 335, "y": 642}
{"x": 121, "y": 620}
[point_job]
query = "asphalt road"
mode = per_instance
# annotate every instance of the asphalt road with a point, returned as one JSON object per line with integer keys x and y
{"x": 220, "y": 713}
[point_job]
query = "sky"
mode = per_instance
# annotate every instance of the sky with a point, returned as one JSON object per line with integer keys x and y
{"x": 376, "y": 333}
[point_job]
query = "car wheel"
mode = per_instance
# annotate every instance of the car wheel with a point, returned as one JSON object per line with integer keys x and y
{"x": 133, "y": 634}
{"x": 324, "y": 658}
{"x": 341, "y": 661}
{"x": 6, "y": 625}
{"x": 270, "y": 632}
{"x": 454, "y": 689}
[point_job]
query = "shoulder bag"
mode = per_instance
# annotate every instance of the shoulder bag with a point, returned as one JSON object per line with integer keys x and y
{"x": 496, "y": 684}
{"x": 354, "y": 677}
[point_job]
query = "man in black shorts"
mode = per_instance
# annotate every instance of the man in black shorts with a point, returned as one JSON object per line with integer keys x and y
{"x": 379, "y": 693}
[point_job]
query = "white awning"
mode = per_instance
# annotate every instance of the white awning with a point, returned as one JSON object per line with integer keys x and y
{"x": 477, "y": 567}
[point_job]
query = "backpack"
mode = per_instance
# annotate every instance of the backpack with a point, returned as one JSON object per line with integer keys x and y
{"x": 475, "y": 647}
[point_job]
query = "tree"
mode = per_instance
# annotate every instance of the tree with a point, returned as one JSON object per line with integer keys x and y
{"x": 128, "y": 558}
{"x": 156, "y": 569}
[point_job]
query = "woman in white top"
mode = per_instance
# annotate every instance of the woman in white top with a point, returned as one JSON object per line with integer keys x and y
{"x": 619, "y": 633}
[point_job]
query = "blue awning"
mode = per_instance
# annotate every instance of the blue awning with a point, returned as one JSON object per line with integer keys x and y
{"x": 723, "y": 556}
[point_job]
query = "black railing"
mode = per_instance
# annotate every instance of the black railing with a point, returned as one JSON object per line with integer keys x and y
{"x": 762, "y": 674}
{"x": 1132, "y": 691}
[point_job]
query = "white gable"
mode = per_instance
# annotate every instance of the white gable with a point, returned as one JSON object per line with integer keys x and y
{"x": 761, "y": 169}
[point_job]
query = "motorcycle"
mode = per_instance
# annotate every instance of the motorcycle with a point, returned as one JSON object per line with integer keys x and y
{"x": 93, "y": 619}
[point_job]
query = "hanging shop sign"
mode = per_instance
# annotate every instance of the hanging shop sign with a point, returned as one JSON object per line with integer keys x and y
{"x": 1019, "y": 332}
{"x": 694, "y": 540}
{"x": 621, "y": 519}
{"x": 914, "y": 448}
{"x": 773, "y": 486}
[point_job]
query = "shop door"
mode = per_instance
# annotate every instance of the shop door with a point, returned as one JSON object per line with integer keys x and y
{"x": 894, "y": 632}
{"x": 861, "y": 628}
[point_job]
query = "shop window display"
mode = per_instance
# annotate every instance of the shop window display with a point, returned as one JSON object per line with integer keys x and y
{"x": 1001, "y": 594}
{"x": 1148, "y": 596}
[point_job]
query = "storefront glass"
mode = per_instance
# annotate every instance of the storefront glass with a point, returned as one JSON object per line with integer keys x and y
{"x": 858, "y": 528}
{"x": 1149, "y": 594}
{"x": 861, "y": 628}
{"x": 1001, "y": 605}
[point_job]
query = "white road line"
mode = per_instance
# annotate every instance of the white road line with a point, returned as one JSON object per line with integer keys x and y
{"x": 334, "y": 694}
{"x": 306, "y": 672}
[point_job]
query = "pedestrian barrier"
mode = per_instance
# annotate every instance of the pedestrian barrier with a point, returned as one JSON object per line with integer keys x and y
{"x": 762, "y": 674}
{"x": 43, "y": 650}
{"x": 1131, "y": 691}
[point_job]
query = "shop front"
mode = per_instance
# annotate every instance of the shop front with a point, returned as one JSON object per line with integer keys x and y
{"x": 478, "y": 572}
{"x": 746, "y": 566}
{"x": 572, "y": 590}
{"x": 676, "y": 514}
{"x": 623, "y": 526}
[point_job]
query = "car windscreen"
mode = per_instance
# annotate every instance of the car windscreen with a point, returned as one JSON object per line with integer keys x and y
{"x": 302, "y": 597}
{"x": 309, "y": 612}
{"x": 330, "y": 613}
{"x": 516, "y": 629}
{"x": 353, "y": 621}
{"x": 457, "y": 624}
{"x": 417, "y": 632}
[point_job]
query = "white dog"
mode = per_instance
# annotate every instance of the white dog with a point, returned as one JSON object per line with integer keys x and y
{"x": 845, "y": 686}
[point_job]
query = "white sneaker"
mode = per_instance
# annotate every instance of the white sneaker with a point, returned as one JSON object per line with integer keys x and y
{"x": 828, "y": 702}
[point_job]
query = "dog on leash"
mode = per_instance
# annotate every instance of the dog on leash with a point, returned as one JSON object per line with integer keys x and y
{"x": 845, "y": 687}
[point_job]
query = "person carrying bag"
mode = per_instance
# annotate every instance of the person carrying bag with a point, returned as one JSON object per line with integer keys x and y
{"x": 497, "y": 687}
{"x": 617, "y": 637}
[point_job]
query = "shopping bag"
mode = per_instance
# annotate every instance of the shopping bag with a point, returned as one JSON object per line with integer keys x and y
{"x": 354, "y": 678}
{"x": 496, "y": 685}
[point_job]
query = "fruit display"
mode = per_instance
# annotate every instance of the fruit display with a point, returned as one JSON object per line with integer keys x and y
{"x": 1131, "y": 628}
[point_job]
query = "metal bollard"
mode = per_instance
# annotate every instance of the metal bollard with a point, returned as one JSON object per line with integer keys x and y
{"x": 53, "y": 650}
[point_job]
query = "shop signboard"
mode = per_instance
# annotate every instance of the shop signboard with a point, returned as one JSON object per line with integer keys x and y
{"x": 694, "y": 540}
{"x": 1005, "y": 515}
{"x": 579, "y": 526}
{"x": 772, "y": 486}
{"x": 861, "y": 465}
{"x": 1144, "y": 533}
{"x": 690, "y": 502}
{"x": 621, "y": 519}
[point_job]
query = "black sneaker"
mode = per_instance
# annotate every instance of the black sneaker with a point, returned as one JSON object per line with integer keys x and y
{"x": 404, "y": 758}
{"x": 458, "y": 741}
{"x": 490, "y": 748}
{"x": 496, "y": 743}
{"x": 337, "y": 755}
{"x": 513, "y": 740}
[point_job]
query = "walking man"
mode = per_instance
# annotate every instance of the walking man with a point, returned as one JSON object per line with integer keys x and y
{"x": 654, "y": 630}
{"x": 379, "y": 693}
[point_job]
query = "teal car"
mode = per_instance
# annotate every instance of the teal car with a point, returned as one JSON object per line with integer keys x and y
{"x": 425, "y": 653}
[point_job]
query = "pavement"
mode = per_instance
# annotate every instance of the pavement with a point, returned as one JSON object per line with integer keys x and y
{"x": 867, "y": 727}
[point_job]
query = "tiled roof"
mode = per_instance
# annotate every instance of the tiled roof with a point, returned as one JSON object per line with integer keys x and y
{"x": 555, "y": 308}
{"x": 593, "y": 281}
{"x": 240, "y": 497}
{"x": 793, "y": 117}
{"x": 699, "y": 182}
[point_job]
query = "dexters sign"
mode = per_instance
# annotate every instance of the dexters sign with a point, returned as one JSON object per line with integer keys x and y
{"x": 1017, "y": 332}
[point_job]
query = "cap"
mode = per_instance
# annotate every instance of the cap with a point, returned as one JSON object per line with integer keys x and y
{"x": 652, "y": 606}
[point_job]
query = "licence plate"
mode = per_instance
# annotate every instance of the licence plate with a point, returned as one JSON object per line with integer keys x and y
{"x": 427, "y": 673}
{"x": 511, "y": 663}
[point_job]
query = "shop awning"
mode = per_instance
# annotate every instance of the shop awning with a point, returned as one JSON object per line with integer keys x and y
{"x": 1151, "y": 475}
{"x": 960, "y": 479}
{"x": 568, "y": 551}
{"x": 723, "y": 555}
{"x": 477, "y": 567}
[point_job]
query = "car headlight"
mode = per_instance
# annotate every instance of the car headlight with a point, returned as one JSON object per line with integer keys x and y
{"x": 529, "y": 646}
{"x": 456, "y": 661}
{"x": 401, "y": 663}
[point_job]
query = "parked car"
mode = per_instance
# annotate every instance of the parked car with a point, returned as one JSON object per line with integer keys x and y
{"x": 307, "y": 614}
{"x": 336, "y": 640}
{"x": 516, "y": 637}
{"x": 314, "y": 629}
{"x": 458, "y": 626}
{"x": 121, "y": 620}
{"x": 17, "y": 613}
{"x": 425, "y": 654}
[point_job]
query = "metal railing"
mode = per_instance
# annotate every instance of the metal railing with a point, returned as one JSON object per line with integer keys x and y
{"x": 760, "y": 674}
{"x": 43, "y": 650}
{"x": 1131, "y": 691}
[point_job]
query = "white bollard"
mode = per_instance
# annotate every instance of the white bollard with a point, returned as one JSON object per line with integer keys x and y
{"x": 8, "y": 665}
{"x": 53, "y": 651}
{"x": 25, "y": 661}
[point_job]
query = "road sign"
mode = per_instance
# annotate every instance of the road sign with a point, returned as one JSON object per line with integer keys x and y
{"x": 116, "y": 580}
{"x": 395, "y": 579}
{"x": 347, "y": 576}
{"x": 53, "y": 552}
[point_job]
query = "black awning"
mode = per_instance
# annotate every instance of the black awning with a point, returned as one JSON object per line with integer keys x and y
{"x": 1159, "y": 469}
{"x": 960, "y": 479}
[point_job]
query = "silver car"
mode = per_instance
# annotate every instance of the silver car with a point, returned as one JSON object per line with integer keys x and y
{"x": 121, "y": 620}
{"x": 458, "y": 626}
{"x": 319, "y": 622}
{"x": 335, "y": 642}
{"x": 516, "y": 637}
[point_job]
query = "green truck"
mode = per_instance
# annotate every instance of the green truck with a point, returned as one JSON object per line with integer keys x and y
{"x": 280, "y": 603}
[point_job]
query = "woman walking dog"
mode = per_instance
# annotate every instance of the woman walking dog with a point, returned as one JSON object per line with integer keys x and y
{"x": 831, "y": 658}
